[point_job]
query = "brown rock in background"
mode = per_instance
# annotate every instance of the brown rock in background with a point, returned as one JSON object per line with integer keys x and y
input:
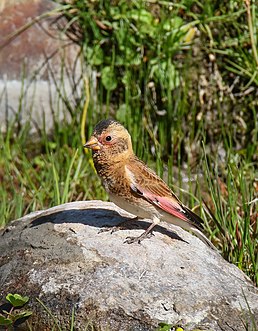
{"x": 32, "y": 60}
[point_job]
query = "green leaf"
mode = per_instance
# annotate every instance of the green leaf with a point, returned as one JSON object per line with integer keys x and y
{"x": 164, "y": 327}
{"x": 21, "y": 318}
{"x": 173, "y": 23}
{"x": 173, "y": 77}
{"x": 120, "y": 60}
{"x": 108, "y": 78}
{"x": 24, "y": 314}
{"x": 52, "y": 145}
{"x": 121, "y": 113}
{"x": 115, "y": 13}
{"x": 95, "y": 55}
{"x": 17, "y": 300}
{"x": 142, "y": 16}
{"x": 5, "y": 321}
{"x": 126, "y": 79}
{"x": 39, "y": 161}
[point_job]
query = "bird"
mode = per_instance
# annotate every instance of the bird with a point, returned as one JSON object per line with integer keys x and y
{"x": 133, "y": 186}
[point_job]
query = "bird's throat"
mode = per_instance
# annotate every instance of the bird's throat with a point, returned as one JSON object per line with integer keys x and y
{"x": 106, "y": 167}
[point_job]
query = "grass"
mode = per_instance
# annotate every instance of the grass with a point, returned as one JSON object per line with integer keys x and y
{"x": 53, "y": 172}
{"x": 185, "y": 89}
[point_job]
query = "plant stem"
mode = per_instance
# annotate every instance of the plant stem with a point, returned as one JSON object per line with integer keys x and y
{"x": 251, "y": 30}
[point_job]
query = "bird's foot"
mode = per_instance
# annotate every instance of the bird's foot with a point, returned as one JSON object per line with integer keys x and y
{"x": 111, "y": 229}
{"x": 120, "y": 226}
{"x": 139, "y": 239}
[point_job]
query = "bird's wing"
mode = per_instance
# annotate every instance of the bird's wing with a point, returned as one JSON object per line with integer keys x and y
{"x": 146, "y": 184}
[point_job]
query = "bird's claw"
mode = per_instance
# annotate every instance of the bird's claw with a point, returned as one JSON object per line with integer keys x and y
{"x": 124, "y": 225}
{"x": 130, "y": 240}
{"x": 111, "y": 229}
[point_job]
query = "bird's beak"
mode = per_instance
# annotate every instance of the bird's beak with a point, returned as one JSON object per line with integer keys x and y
{"x": 92, "y": 144}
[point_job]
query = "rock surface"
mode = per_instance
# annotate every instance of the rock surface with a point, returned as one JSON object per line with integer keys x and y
{"x": 58, "y": 256}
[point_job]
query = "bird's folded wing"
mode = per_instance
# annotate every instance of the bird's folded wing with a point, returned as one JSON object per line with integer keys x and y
{"x": 145, "y": 183}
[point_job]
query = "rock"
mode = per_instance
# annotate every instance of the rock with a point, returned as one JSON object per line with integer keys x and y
{"x": 58, "y": 256}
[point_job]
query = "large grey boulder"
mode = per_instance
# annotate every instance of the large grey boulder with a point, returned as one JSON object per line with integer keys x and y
{"x": 58, "y": 256}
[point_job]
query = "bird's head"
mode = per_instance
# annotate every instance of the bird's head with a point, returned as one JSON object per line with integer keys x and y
{"x": 110, "y": 138}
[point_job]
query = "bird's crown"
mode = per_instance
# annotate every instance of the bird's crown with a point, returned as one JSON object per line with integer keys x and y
{"x": 104, "y": 125}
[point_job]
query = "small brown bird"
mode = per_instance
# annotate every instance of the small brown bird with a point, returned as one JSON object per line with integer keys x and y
{"x": 133, "y": 186}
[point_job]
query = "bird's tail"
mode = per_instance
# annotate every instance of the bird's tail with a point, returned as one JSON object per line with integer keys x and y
{"x": 196, "y": 225}
{"x": 191, "y": 223}
{"x": 202, "y": 237}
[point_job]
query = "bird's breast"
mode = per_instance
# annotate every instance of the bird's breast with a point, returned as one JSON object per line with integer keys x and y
{"x": 138, "y": 207}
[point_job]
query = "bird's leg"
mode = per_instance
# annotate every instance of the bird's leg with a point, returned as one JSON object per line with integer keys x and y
{"x": 120, "y": 226}
{"x": 145, "y": 234}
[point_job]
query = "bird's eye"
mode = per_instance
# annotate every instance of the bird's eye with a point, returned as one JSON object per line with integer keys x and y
{"x": 108, "y": 138}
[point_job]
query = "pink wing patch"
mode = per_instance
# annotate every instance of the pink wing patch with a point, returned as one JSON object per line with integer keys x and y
{"x": 165, "y": 203}
{"x": 170, "y": 207}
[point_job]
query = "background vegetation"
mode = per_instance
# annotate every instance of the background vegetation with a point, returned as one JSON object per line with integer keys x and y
{"x": 182, "y": 77}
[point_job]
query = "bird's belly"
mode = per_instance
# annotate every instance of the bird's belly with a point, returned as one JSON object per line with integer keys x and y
{"x": 144, "y": 211}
